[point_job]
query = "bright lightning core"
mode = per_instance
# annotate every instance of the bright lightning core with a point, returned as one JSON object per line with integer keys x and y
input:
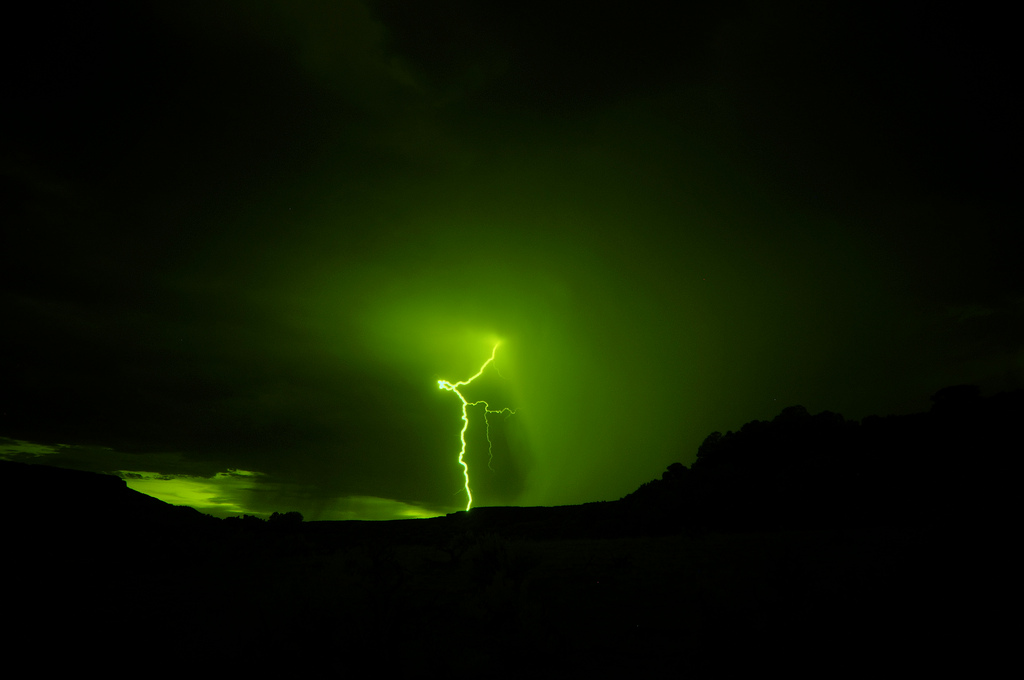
{"x": 454, "y": 387}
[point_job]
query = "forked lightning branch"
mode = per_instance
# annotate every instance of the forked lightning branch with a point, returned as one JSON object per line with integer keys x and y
{"x": 454, "y": 387}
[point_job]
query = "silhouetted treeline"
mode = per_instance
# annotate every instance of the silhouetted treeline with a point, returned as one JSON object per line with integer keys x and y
{"x": 822, "y": 471}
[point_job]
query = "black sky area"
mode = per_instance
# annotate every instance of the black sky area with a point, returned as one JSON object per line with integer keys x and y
{"x": 242, "y": 241}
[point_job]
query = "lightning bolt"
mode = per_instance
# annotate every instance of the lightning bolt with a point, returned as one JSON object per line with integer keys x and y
{"x": 454, "y": 387}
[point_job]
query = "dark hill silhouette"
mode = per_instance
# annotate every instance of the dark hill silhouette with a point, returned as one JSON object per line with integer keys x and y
{"x": 796, "y": 471}
{"x": 42, "y": 494}
{"x": 790, "y": 541}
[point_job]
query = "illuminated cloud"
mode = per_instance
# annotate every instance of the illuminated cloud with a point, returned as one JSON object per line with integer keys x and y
{"x": 373, "y": 508}
{"x": 222, "y": 495}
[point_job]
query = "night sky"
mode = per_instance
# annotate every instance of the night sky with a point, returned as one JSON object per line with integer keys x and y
{"x": 243, "y": 240}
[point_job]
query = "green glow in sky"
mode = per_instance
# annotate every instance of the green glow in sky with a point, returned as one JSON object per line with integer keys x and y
{"x": 454, "y": 387}
{"x": 314, "y": 211}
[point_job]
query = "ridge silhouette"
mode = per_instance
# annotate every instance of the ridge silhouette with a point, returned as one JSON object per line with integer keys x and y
{"x": 788, "y": 541}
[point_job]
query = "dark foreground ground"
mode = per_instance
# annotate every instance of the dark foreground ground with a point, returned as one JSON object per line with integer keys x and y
{"x": 494, "y": 592}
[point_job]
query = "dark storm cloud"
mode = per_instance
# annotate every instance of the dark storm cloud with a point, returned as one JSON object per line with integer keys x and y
{"x": 551, "y": 57}
{"x": 102, "y": 459}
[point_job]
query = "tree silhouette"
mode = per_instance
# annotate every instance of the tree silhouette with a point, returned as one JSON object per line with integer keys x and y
{"x": 292, "y": 517}
{"x": 818, "y": 471}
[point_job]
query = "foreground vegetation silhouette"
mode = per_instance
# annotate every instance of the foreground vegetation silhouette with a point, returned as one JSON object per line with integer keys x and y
{"x": 786, "y": 542}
